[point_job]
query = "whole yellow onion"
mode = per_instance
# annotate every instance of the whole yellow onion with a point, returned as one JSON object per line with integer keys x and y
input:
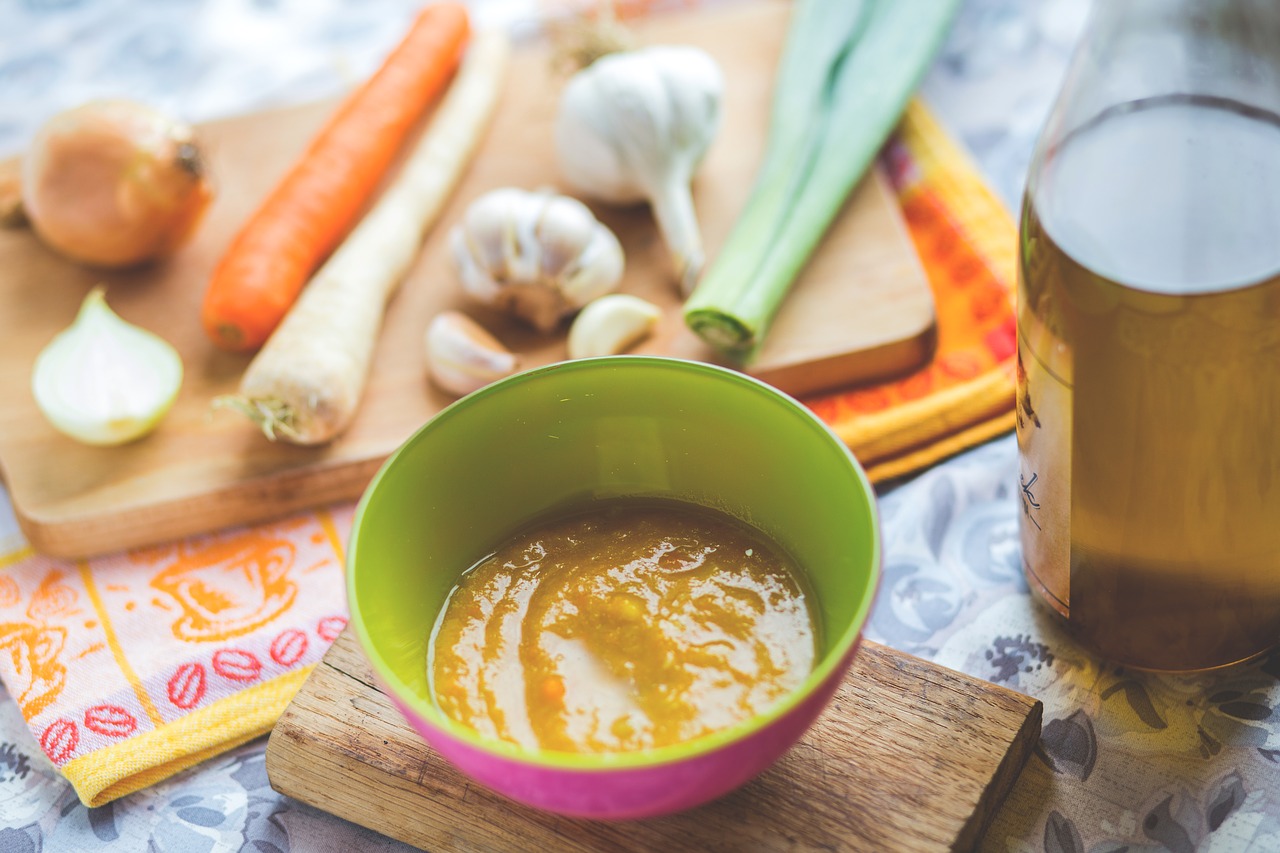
{"x": 114, "y": 183}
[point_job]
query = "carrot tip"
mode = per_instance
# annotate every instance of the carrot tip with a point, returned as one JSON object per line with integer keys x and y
{"x": 229, "y": 336}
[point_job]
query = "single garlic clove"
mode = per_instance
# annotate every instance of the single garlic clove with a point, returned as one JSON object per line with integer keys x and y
{"x": 597, "y": 270}
{"x": 105, "y": 381}
{"x": 565, "y": 227}
{"x": 462, "y": 356}
{"x": 475, "y": 277}
{"x": 612, "y": 324}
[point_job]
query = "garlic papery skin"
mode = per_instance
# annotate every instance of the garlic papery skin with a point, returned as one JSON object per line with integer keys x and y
{"x": 537, "y": 255}
{"x": 103, "y": 380}
{"x": 612, "y": 324}
{"x": 635, "y": 126}
{"x": 462, "y": 356}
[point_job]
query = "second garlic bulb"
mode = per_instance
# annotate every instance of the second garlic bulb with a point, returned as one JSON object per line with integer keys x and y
{"x": 634, "y": 126}
{"x": 537, "y": 255}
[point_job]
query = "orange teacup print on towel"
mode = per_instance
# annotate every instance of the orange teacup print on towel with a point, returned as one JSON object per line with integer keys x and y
{"x": 39, "y": 676}
{"x": 131, "y": 667}
{"x": 225, "y": 588}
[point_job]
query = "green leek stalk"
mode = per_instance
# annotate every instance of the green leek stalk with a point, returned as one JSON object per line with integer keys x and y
{"x": 848, "y": 69}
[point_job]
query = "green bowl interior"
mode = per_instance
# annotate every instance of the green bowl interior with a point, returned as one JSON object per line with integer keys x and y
{"x": 619, "y": 426}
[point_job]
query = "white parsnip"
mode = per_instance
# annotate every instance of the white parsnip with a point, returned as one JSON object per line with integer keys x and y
{"x": 305, "y": 384}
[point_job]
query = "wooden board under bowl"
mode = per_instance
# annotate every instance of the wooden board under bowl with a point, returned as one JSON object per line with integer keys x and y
{"x": 909, "y": 756}
{"x": 862, "y": 309}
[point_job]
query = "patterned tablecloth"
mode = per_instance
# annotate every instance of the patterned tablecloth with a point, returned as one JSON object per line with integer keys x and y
{"x": 1127, "y": 762}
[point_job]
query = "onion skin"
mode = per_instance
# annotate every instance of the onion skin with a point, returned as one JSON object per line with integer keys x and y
{"x": 11, "y": 213}
{"x": 114, "y": 183}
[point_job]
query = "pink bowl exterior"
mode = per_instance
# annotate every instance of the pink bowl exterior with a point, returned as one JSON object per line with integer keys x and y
{"x": 627, "y": 793}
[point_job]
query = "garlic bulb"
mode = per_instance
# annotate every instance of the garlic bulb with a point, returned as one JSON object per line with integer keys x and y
{"x": 103, "y": 380}
{"x": 462, "y": 356}
{"x": 538, "y": 255}
{"x": 612, "y": 324}
{"x": 635, "y": 126}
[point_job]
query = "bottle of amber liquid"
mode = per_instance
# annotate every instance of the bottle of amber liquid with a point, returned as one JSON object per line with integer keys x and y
{"x": 1148, "y": 400}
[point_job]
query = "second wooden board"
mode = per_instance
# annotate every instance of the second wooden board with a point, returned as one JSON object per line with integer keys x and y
{"x": 909, "y": 756}
{"x": 862, "y": 309}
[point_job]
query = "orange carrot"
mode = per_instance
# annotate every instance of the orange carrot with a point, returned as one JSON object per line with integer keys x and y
{"x": 321, "y": 198}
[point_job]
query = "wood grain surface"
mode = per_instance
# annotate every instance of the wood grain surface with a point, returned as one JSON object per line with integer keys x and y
{"x": 909, "y": 756}
{"x": 862, "y": 309}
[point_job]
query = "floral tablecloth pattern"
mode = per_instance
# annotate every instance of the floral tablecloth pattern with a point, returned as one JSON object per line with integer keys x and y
{"x": 1127, "y": 762}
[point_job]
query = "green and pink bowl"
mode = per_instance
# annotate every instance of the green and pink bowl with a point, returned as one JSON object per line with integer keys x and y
{"x": 610, "y": 427}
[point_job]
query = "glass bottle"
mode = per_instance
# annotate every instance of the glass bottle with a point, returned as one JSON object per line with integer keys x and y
{"x": 1148, "y": 399}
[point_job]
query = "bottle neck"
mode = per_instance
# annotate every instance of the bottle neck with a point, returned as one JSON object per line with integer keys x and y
{"x": 1133, "y": 50}
{"x": 1197, "y": 39}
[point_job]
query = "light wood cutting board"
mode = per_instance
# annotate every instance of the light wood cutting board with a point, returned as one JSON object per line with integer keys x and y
{"x": 862, "y": 310}
{"x": 909, "y": 756}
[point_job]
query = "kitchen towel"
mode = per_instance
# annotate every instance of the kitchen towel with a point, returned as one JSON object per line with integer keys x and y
{"x": 966, "y": 242}
{"x": 133, "y": 666}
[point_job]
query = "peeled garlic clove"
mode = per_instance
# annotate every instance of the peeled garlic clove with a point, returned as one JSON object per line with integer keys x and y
{"x": 462, "y": 356}
{"x": 105, "y": 381}
{"x": 612, "y": 324}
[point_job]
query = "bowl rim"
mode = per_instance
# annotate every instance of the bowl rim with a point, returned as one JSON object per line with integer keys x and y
{"x": 841, "y": 648}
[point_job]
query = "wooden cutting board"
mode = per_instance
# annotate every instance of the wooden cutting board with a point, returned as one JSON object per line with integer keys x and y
{"x": 909, "y": 756}
{"x": 863, "y": 309}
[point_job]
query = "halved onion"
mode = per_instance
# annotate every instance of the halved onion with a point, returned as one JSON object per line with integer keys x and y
{"x": 103, "y": 380}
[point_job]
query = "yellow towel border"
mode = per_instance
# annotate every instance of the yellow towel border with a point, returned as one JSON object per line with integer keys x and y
{"x": 139, "y": 762}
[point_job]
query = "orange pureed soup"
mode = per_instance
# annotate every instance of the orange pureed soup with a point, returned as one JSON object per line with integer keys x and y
{"x": 627, "y": 625}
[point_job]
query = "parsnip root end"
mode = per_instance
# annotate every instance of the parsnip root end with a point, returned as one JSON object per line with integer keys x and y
{"x": 274, "y": 417}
